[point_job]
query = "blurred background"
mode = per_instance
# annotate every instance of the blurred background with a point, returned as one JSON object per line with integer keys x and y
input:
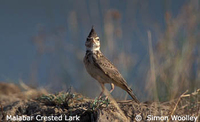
{"x": 154, "y": 44}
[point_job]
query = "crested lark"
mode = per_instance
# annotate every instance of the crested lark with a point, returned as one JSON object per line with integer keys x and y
{"x": 100, "y": 68}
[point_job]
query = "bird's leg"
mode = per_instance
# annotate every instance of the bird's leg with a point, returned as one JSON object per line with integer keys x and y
{"x": 112, "y": 88}
{"x": 103, "y": 88}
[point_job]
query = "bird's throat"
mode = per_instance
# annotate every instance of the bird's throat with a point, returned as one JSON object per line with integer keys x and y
{"x": 93, "y": 49}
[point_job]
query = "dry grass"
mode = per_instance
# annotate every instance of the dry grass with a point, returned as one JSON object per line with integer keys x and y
{"x": 176, "y": 56}
{"x": 189, "y": 104}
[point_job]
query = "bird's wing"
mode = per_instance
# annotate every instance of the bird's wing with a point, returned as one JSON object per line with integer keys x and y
{"x": 109, "y": 69}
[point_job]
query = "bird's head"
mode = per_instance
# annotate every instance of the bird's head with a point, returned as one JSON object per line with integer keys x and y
{"x": 92, "y": 43}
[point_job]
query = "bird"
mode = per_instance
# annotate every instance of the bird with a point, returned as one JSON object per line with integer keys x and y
{"x": 101, "y": 69}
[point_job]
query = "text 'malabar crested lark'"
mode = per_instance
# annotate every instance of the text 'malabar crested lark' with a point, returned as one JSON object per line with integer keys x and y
{"x": 100, "y": 68}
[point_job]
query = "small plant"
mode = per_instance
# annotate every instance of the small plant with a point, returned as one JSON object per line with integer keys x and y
{"x": 59, "y": 99}
{"x": 99, "y": 103}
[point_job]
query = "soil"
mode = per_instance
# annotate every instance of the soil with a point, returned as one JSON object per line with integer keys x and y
{"x": 67, "y": 106}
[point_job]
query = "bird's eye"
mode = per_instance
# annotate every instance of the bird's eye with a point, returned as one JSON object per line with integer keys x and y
{"x": 97, "y": 38}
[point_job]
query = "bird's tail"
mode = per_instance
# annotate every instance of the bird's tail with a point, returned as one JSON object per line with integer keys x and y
{"x": 130, "y": 92}
{"x": 133, "y": 96}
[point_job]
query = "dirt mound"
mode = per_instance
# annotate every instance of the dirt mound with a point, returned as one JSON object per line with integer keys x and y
{"x": 67, "y": 106}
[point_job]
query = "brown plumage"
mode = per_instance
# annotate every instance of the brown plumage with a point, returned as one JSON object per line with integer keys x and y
{"x": 101, "y": 69}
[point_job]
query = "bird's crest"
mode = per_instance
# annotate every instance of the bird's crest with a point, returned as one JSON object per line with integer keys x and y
{"x": 92, "y": 33}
